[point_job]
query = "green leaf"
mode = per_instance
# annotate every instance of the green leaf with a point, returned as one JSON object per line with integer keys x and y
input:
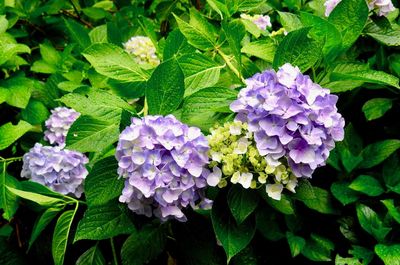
{"x": 343, "y": 193}
{"x": 9, "y": 133}
{"x": 60, "y": 236}
{"x": 370, "y": 222}
{"x": 234, "y": 33}
{"x": 176, "y": 44}
{"x": 92, "y": 256}
{"x": 8, "y": 200}
{"x": 264, "y": 49}
{"x": 315, "y": 198}
{"x": 392, "y": 209}
{"x": 219, "y": 7}
{"x": 165, "y": 88}
{"x": 268, "y": 225}
{"x": 349, "y": 17}
{"x": 88, "y": 134}
{"x": 233, "y": 237}
{"x": 8, "y": 51}
{"x": 18, "y": 91}
{"x": 113, "y": 62}
{"x": 343, "y": 85}
{"x": 3, "y": 24}
{"x": 35, "y": 113}
{"x": 325, "y": 33}
{"x": 199, "y": 108}
{"x": 102, "y": 183}
{"x": 376, "y": 153}
{"x": 318, "y": 248}
{"x": 35, "y": 197}
{"x": 242, "y": 203}
{"x": 389, "y": 254}
{"x": 389, "y": 36}
{"x": 369, "y": 76}
{"x": 199, "y": 32}
{"x": 98, "y": 34}
{"x": 104, "y": 221}
{"x": 78, "y": 33}
{"x": 98, "y": 104}
{"x": 391, "y": 173}
{"x": 296, "y": 243}
{"x": 367, "y": 185}
{"x": 376, "y": 108}
{"x": 199, "y": 71}
{"x": 298, "y": 49}
{"x": 346, "y": 261}
{"x": 285, "y": 205}
{"x": 144, "y": 245}
{"x": 290, "y": 21}
{"x": 47, "y": 216}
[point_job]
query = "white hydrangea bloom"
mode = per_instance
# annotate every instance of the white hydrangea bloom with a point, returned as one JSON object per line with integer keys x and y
{"x": 274, "y": 190}
{"x": 143, "y": 51}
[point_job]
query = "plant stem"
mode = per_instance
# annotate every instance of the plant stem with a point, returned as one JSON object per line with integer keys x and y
{"x": 11, "y": 159}
{"x": 230, "y": 65}
{"x": 113, "y": 251}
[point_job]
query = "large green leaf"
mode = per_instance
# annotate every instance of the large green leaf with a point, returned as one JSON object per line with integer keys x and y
{"x": 165, "y": 88}
{"x": 9, "y": 133}
{"x": 88, "y": 134}
{"x": 264, "y": 49}
{"x": 102, "y": 184}
{"x": 60, "y": 236}
{"x": 390, "y": 254}
{"x": 176, "y": 44}
{"x": 234, "y": 33}
{"x": 35, "y": 113}
{"x": 16, "y": 91}
{"x": 315, "y": 198}
{"x": 376, "y": 108}
{"x": 367, "y": 185}
{"x": 113, "y": 62}
{"x": 389, "y": 36}
{"x": 298, "y": 49}
{"x": 232, "y": 236}
{"x": 78, "y": 33}
{"x": 343, "y": 193}
{"x": 392, "y": 209}
{"x": 318, "y": 248}
{"x": 349, "y": 17}
{"x": 368, "y": 76}
{"x": 98, "y": 104}
{"x": 35, "y": 197}
{"x": 92, "y": 256}
{"x": 242, "y": 202}
{"x": 376, "y": 153}
{"x": 370, "y": 222}
{"x": 296, "y": 243}
{"x": 45, "y": 218}
{"x": 144, "y": 245}
{"x": 104, "y": 221}
{"x": 199, "y": 71}
{"x": 8, "y": 200}
{"x": 198, "y": 32}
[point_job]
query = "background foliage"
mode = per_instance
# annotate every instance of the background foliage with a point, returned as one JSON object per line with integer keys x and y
{"x": 70, "y": 53}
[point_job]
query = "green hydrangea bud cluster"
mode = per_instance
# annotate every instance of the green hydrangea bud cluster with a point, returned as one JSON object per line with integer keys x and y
{"x": 235, "y": 158}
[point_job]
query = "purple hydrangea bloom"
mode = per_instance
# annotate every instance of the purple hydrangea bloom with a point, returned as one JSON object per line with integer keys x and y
{"x": 163, "y": 162}
{"x": 59, "y": 169}
{"x": 291, "y": 117}
{"x": 58, "y": 124}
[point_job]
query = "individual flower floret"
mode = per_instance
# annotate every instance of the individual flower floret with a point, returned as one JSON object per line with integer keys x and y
{"x": 143, "y": 51}
{"x": 58, "y": 124}
{"x": 163, "y": 162}
{"x": 234, "y": 157}
{"x": 291, "y": 117}
{"x": 382, "y": 6}
{"x": 59, "y": 169}
{"x": 262, "y": 22}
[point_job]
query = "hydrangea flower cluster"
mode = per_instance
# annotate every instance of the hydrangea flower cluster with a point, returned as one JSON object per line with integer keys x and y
{"x": 58, "y": 124}
{"x": 262, "y": 22}
{"x": 234, "y": 154}
{"x": 164, "y": 164}
{"x": 291, "y": 117}
{"x": 143, "y": 51}
{"x": 59, "y": 169}
{"x": 382, "y": 6}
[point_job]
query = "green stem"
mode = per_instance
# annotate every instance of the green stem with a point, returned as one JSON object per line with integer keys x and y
{"x": 113, "y": 251}
{"x": 145, "y": 109}
{"x": 11, "y": 159}
{"x": 230, "y": 65}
